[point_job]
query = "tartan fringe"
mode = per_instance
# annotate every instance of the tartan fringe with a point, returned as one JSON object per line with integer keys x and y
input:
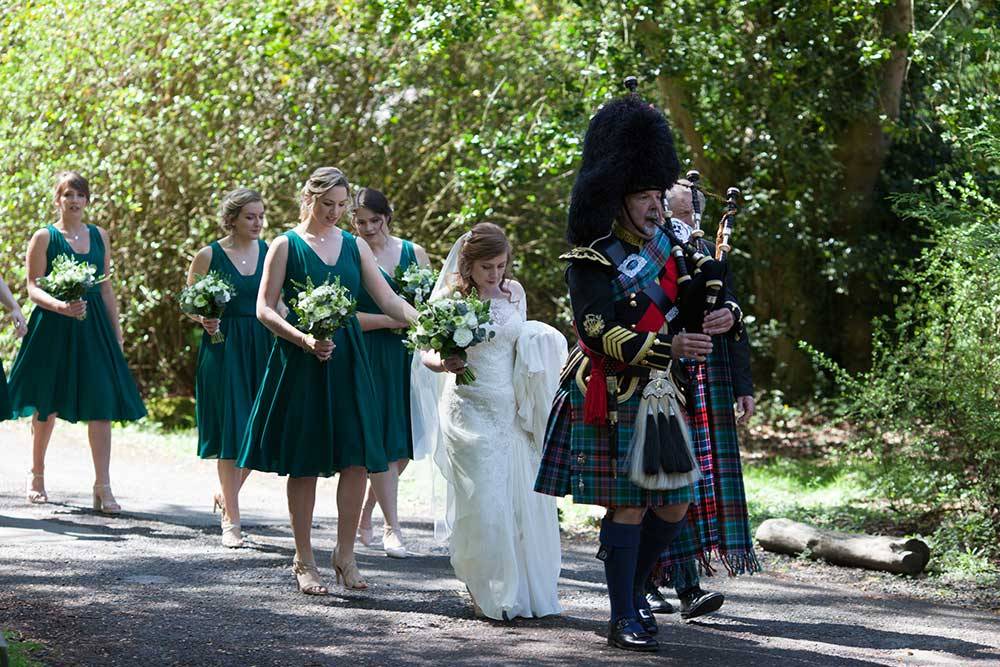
{"x": 742, "y": 563}
{"x": 683, "y": 574}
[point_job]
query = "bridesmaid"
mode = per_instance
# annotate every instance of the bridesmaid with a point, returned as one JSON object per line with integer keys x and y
{"x": 20, "y": 328}
{"x": 390, "y": 362}
{"x": 68, "y": 367}
{"x": 312, "y": 416}
{"x": 230, "y": 372}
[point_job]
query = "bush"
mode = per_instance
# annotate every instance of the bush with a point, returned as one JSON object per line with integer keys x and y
{"x": 164, "y": 106}
{"x": 929, "y": 410}
{"x": 171, "y": 413}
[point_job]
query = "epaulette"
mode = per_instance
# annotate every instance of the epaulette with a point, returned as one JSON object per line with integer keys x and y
{"x": 582, "y": 253}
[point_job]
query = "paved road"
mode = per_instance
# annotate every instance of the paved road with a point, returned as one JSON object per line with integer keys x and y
{"x": 153, "y": 587}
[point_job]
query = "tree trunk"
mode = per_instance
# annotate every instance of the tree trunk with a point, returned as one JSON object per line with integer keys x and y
{"x": 873, "y": 552}
{"x": 861, "y": 151}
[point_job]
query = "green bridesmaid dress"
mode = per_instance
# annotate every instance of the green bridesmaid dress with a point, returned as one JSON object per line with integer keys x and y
{"x": 6, "y": 411}
{"x": 315, "y": 418}
{"x": 230, "y": 372}
{"x": 74, "y": 367}
{"x": 390, "y": 361}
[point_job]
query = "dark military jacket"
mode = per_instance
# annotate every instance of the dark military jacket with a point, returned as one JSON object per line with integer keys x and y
{"x": 619, "y": 329}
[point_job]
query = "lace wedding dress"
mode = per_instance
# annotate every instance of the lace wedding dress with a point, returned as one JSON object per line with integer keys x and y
{"x": 504, "y": 537}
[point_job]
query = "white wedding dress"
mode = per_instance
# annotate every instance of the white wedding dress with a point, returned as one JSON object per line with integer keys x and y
{"x": 504, "y": 537}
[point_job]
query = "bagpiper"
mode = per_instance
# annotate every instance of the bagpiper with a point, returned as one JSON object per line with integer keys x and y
{"x": 718, "y": 527}
{"x": 616, "y": 437}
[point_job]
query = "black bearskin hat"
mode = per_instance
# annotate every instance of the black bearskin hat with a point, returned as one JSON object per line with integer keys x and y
{"x": 628, "y": 148}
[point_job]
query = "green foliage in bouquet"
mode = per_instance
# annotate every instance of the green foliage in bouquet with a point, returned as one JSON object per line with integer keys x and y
{"x": 70, "y": 279}
{"x": 207, "y": 297}
{"x": 450, "y": 326}
{"x": 416, "y": 283}
{"x": 322, "y": 309}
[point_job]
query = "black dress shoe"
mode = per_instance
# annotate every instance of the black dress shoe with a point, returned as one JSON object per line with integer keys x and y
{"x": 647, "y": 620}
{"x": 626, "y": 633}
{"x": 656, "y": 603}
{"x": 696, "y": 602}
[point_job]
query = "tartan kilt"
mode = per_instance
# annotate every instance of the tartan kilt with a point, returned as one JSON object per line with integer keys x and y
{"x": 576, "y": 461}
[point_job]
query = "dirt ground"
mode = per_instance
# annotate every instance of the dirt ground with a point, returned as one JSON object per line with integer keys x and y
{"x": 154, "y": 587}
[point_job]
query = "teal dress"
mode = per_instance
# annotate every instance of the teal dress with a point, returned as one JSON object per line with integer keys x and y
{"x": 315, "y": 418}
{"x": 6, "y": 411}
{"x": 74, "y": 367}
{"x": 230, "y": 372}
{"x": 390, "y": 362}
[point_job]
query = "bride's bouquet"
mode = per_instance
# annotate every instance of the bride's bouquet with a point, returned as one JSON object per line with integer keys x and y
{"x": 70, "y": 279}
{"x": 416, "y": 283}
{"x": 323, "y": 308}
{"x": 207, "y": 297}
{"x": 450, "y": 326}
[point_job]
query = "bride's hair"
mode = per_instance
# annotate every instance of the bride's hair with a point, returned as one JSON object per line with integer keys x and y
{"x": 485, "y": 241}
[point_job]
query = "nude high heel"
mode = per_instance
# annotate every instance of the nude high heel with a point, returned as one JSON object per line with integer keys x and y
{"x": 348, "y": 573}
{"x": 307, "y": 578}
{"x": 218, "y": 503}
{"x": 104, "y": 500}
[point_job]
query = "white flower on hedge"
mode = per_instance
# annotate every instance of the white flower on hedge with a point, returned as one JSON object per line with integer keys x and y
{"x": 462, "y": 337}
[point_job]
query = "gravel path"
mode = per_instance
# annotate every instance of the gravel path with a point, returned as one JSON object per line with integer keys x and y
{"x": 153, "y": 587}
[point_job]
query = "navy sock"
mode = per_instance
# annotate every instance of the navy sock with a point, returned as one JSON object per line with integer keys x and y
{"x": 655, "y": 536}
{"x": 619, "y": 548}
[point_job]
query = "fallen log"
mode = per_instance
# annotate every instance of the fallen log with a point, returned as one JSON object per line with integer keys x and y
{"x": 873, "y": 552}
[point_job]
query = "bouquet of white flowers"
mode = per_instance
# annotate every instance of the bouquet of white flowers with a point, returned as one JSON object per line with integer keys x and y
{"x": 208, "y": 297}
{"x": 450, "y": 326}
{"x": 70, "y": 279}
{"x": 416, "y": 283}
{"x": 323, "y": 308}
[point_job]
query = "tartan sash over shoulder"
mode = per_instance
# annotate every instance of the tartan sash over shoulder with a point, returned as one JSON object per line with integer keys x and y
{"x": 654, "y": 253}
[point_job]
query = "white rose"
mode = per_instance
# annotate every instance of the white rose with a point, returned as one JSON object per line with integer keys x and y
{"x": 471, "y": 319}
{"x": 462, "y": 337}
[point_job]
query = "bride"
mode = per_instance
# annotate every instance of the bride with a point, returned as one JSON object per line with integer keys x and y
{"x": 486, "y": 437}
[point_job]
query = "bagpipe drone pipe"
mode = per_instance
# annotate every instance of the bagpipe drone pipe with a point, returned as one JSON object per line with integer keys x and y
{"x": 700, "y": 276}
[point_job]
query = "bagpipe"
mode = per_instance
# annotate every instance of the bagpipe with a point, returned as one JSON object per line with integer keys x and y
{"x": 701, "y": 276}
{"x": 661, "y": 454}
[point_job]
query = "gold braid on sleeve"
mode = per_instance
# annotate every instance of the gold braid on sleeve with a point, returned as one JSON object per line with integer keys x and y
{"x": 614, "y": 341}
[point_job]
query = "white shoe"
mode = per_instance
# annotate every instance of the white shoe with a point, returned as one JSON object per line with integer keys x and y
{"x": 30, "y": 494}
{"x": 232, "y": 538}
{"x": 393, "y": 544}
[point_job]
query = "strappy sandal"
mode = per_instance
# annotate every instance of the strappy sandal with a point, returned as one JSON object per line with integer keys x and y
{"x": 30, "y": 494}
{"x": 307, "y": 578}
{"x": 104, "y": 500}
{"x": 348, "y": 573}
